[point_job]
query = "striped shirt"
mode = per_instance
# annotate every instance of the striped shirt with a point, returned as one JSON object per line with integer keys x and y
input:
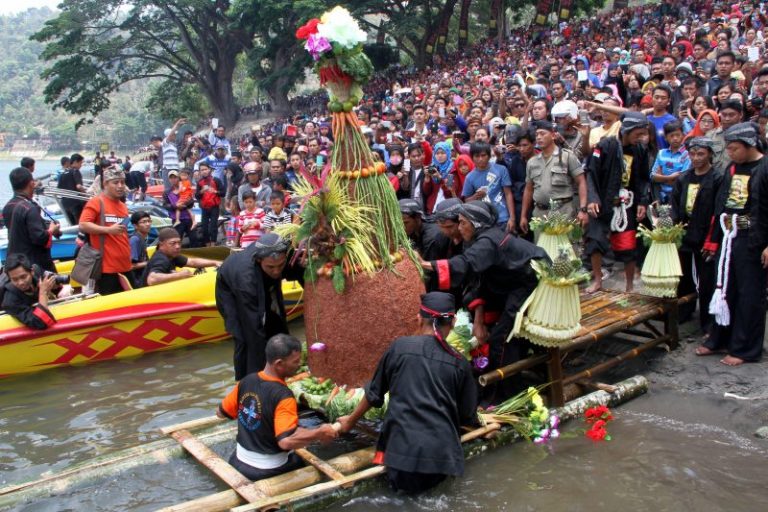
{"x": 170, "y": 155}
{"x": 272, "y": 219}
{"x": 251, "y": 226}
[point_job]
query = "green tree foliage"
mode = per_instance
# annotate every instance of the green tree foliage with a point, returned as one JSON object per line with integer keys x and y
{"x": 93, "y": 47}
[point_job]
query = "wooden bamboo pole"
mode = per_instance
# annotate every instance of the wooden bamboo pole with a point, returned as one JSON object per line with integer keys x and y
{"x": 509, "y": 370}
{"x": 313, "y": 490}
{"x": 192, "y": 424}
{"x": 610, "y": 363}
{"x": 281, "y": 484}
{"x": 218, "y": 466}
{"x": 319, "y": 464}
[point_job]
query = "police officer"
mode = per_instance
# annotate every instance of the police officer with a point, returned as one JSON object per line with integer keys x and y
{"x": 551, "y": 177}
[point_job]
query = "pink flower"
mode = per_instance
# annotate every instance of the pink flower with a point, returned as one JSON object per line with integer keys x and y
{"x": 317, "y": 45}
{"x": 318, "y": 346}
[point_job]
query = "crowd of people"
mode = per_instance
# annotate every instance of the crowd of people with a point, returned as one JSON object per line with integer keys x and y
{"x": 601, "y": 120}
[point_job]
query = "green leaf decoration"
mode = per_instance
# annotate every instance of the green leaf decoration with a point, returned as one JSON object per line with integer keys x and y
{"x": 338, "y": 279}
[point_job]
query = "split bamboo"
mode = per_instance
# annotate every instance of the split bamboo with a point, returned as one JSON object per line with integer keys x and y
{"x": 283, "y": 484}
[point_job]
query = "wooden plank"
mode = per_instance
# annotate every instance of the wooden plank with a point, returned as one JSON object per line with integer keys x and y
{"x": 192, "y": 424}
{"x": 219, "y": 466}
{"x": 313, "y": 490}
{"x": 555, "y": 367}
{"x": 319, "y": 464}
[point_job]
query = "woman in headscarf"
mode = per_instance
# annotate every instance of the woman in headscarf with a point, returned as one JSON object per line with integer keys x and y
{"x": 435, "y": 189}
{"x": 707, "y": 121}
{"x": 495, "y": 270}
{"x": 462, "y": 166}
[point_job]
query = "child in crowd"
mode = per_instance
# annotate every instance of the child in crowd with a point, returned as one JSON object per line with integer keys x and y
{"x": 186, "y": 193}
{"x": 250, "y": 221}
{"x": 210, "y": 191}
{"x": 280, "y": 183}
{"x": 278, "y": 214}
{"x": 670, "y": 162}
{"x": 233, "y": 224}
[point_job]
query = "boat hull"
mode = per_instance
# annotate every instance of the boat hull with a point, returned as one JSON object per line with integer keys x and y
{"x": 115, "y": 327}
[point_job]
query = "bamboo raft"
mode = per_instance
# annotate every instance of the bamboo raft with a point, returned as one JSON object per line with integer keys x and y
{"x": 605, "y": 314}
{"x": 320, "y": 483}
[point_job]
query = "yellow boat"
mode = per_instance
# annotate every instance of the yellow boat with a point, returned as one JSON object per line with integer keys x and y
{"x": 126, "y": 324}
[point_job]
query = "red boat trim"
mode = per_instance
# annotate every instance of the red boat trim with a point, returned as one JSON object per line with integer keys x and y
{"x": 135, "y": 312}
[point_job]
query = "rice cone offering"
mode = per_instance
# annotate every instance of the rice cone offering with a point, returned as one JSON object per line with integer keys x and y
{"x": 554, "y": 231}
{"x": 552, "y": 314}
{"x": 662, "y": 271}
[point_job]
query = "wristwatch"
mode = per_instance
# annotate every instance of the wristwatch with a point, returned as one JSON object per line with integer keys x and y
{"x": 583, "y": 209}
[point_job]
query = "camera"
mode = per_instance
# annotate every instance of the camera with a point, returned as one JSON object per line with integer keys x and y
{"x": 58, "y": 278}
{"x": 757, "y": 103}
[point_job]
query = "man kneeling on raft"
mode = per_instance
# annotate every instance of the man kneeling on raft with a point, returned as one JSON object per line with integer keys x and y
{"x": 267, "y": 420}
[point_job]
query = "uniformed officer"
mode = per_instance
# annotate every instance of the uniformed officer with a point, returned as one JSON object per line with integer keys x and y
{"x": 551, "y": 177}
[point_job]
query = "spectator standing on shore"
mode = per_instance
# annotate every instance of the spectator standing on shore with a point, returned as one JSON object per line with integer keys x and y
{"x": 28, "y": 233}
{"x": 72, "y": 179}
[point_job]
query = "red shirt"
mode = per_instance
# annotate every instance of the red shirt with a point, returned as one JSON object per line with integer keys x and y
{"x": 117, "y": 248}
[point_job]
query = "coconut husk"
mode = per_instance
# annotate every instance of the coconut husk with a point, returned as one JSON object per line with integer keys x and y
{"x": 358, "y": 325}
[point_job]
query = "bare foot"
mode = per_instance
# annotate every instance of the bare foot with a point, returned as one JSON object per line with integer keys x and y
{"x": 704, "y": 351}
{"x": 596, "y": 287}
{"x": 732, "y": 361}
{"x": 630, "y": 287}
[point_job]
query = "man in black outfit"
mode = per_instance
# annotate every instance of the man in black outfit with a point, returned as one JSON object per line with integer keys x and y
{"x": 27, "y": 230}
{"x": 162, "y": 266}
{"x": 71, "y": 179}
{"x": 249, "y": 297}
{"x": 431, "y": 395}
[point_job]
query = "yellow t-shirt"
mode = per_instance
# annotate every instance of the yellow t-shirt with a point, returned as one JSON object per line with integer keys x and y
{"x": 599, "y": 133}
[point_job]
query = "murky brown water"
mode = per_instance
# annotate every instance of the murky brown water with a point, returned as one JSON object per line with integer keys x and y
{"x": 670, "y": 451}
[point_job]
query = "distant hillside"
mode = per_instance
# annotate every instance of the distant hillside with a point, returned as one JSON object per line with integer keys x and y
{"x": 25, "y": 114}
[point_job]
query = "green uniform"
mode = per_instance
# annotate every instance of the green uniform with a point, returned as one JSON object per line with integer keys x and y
{"x": 553, "y": 178}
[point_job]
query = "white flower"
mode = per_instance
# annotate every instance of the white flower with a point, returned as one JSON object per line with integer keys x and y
{"x": 338, "y": 26}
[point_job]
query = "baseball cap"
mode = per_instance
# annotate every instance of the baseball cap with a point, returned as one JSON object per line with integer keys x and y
{"x": 173, "y": 173}
{"x": 251, "y": 168}
{"x": 220, "y": 145}
{"x": 302, "y": 149}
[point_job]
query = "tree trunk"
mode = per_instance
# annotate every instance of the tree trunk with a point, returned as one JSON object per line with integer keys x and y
{"x": 493, "y": 22}
{"x": 464, "y": 24}
{"x": 278, "y": 89}
{"x": 217, "y": 88}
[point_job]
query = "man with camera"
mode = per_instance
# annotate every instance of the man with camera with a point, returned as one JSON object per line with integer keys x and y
{"x": 26, "y": 294}
{"x": 28, "y": 232}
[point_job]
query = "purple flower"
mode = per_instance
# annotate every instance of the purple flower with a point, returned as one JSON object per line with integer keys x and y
{"x": 317, "y": 45}
{"x": 545, "y": 433}
{"x": 318, "y": 346}
{"x": 554, "y": 434}
{"x": 480, "y": 362}
{"x": 554, "y": 421}
{"x": 539, "y": 441}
